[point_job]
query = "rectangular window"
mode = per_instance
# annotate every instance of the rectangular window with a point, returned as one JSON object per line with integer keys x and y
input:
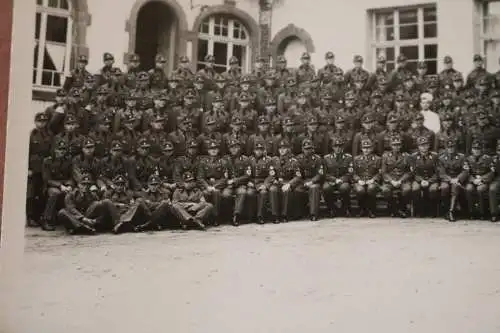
{"x": 411, "y": 31}
{"x": 490, "y": 33}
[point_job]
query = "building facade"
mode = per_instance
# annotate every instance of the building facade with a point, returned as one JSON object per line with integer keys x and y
{"x": 423, "y": 31}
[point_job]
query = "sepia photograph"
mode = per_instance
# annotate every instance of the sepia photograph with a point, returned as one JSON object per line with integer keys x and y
{"x": 280, "y": 166}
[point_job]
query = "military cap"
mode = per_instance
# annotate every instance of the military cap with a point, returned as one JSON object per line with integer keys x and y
{"x": 186, "y": 120}
{"x": 447, "y": 94}
{"x": 327, "y": 95}
{"x": 301, "y": 94}
{"x": 131, "y": 96}
{"x": 211, "y": 121}
{"x": 175, "y": 78}
{"x": 447, "y": 59}
{"x": 188, "y": 176}
{"x": 218, "y": 98}
{"x": 219, "y": 78}
{"x": 116, "y": 71}
{"x": 236, "y": 120}
{"x": 213, "y": 145}
{"x": 102, "y": 90}
{"x": 90, "y": 78}
{"x": 288, "y": 121}
{"x": 376, "y": 94}
{"x": 357, "y": 58}
{"x": 70, "y": 119}
{"x": 367, "y": 118}
{"x": 184, "y": 59}
{"x": 401, "y": 58}
{"x": 160, "y": 58}
{"x": 116, "y": 145}
{"x": 60, "y": 93}
{"x": 143, "y": 76}
{"x": 396, "y": 140}
{"x": 107, "y": 56}
{"x": 86, "y": 179}
{"x": 381, "y": 80}
{"x": 106, "y": 119}
{"x": 143, "y": 143}
{"x": 233, "y": 61}
{"x": 190, "y": 93}
{"x": 41, "y": 116}
{"x": 246, "y": 79}
{"x": 284, "y": 143}
{"x": 281, "y": 59}
{"x": 422, "y": 64}
{"x": 338, "y": 141}
{"x": 329, "y": 55}
{"x": 419, "y": 116}
{"x": 495, "y": 93}
{"x": 307, "y": 144}
{"x": 447, "y": 117}
{"x": 75, "y": 92}
{"x": 451, "y": 142}
{"x": 477, "y": 57}
{"x": 305, "y": 56}
{"x": 192, "y": 144}
{"x": 120, "y": 179}
{"x": 209, "y": 58}
{"x": 154, "y": 180}
{"x": 158, "y": 118}
{"x": 128, "y": 117}
{"x": 400, "y": 98}
{"x": 271, "y": 101}
{"x": 244, "y": 97}
{"x": 83, "y": 59}
{"x": 234, "y": 143}
{"x": 470, "y": 94}
{"x": 263, "y": 120}
{"x": 168, "y": 146}
{"x": 89, "y": 143}
{"x": 457, "y": 76}
{"x": 392, "y": 118}
{"x": 477, "y": 144}
{"x": 270, "y": 74}
{"x": 481, "y": 115}
{"x": 350, "y": 95}
{"x": 312, "y": 120}
{"x": 199, "y": 79}
{"x": 422, "y": 140}
{"x": 381, "y": 60}
{"x": 339, "y": 118}
{"x": 133, "y": 57}
{"x": 61, "y": 144}
{"x": 291, "y": 80}
{"x": 366, "y": 143}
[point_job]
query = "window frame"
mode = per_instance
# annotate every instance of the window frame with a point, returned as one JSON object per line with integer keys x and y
{"x": 396, "y": 43}
{"x": 486, "y": 38}
{"x": 229, "y": 40}
{"x": 45, "y": 10}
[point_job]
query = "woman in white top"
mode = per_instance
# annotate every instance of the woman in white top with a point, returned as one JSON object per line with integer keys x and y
{"x": 431, "y": 118}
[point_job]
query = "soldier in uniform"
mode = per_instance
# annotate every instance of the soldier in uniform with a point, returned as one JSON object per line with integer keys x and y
{"x": 78, "y": 75}
{"x": 282, "y": 71}
{"x": 287, "y": 177}
{"x": 86, "y": 163}
{"x": 484, "y": 132}
{"x": 154, "y": 204}
{"x": 165, "y": 168}
{"x": 481, "y": 174}
{"x": 210, "y": 134}
{"x": 446, "y": 75}
{"x": 392, "y": 128}
{"x": 247, "y": 113}
{"x": 184, "y": 71}
{"x": 70, "y": 135}
{"x": 495, "y": 185}
{"x": 477, "y": 72}
{"x": 130, "y": 79}
{"x": 83, "y": 210}
{"x": 105, "y": 73}
{"x": 141, "y": 166}
{"x": 357, "y": 70}
{"x": 156, "y": 135}
{"x": 112, "y": 165}
{"x": 418, "y": 130}
{"x": 56, "y": 173}
{"x": 319, "y": 140}
{"x": 233, "y": 74}
{"x": 102, "y": 136}
{"x": 182, "y": 135}
{"x": 189, "y": 204}
{"x": 289, "y": 133}
{"x": 366, "y": 177}
{"x": 396, "y": 176}
{"x": 453, "y": 172}
{"x": 341, "y": 129}
{"x": 208, "y": 71}
{"x": 368, "y": 131}
{"x": 329, "y": 68}
{"x": 312, "y": 176}
{"x": 188, "y": 162}
{"x": 157, "y": 76}
{"x": 350, "y": 111}
{"x": 191, "y": 110}
{"x": 236, "y": 132}
{"x": 211, "y": 176}
{"x": 306, "y": 70}
{"x": 401, "y": 71}
{"x": 448, "y": 131}
{"x": 425, "y": 187}
{"x": 338, "y": 168}
{"x": 265, "y": 136}
{"x": 201, "y": 91}
{"x": 39, "y": 149}
{"x": 380, "y": 71}
{"x": 261, "y": 176}
{"x": 239, "y": 175}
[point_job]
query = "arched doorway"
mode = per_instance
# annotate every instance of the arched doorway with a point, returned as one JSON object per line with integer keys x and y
{"x": 292, "y": 48}
{"x": 291, "y": 41}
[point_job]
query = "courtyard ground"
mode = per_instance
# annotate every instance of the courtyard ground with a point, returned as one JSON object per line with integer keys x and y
{"x": 351, "y": 275}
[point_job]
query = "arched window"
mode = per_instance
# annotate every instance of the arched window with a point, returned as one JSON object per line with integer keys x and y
{"x": 223, "y": 36}
{"x": 52, "y": 47}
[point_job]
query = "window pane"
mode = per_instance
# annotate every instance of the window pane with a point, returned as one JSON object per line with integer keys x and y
{"x": 430, "y": 30}
{"x": 431, "y": 67}
{"x": 384, "y": 19}
{"x": 204, "y": 27}
{"x": 385, "y": 34}
{"x": 220, "y": 53}
{"x": 202, "y": 49}
{"x": 57, "y": 28}
{"x": 217, "y": 30}
{"x": 224, "y": 31}
{"x": 492, "y": 18}
{"x": 35, "y": 57}
{"x": 38, "y": 21}
{"x": 64, "y": 4}
{"x": 408, "y": 16}
{"x": 34, "y": 76}
{"x": 411, "y": 52}
{"x": 390, "y": 66}
{"x": 239, "y": 52}
{"x": 430, "y": 14}
{"x": 412, "y": 66}
{"x": 54, "y": 3}
{"x": 39, "y": 2}
{"x": 387, "y": 52}
{"x": 492, "y": 53}
{"x": 220, "y": 69}
{"x": 408, "y": 32}
{"x": 431, "y": 51}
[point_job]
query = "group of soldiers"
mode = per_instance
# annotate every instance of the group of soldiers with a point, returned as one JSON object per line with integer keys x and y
{"x": 140, "y": 150}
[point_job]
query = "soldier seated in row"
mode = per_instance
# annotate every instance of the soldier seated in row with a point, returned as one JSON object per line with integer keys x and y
{"x": 155, "y": 205}
{"x": 481, "y": 173}
{"x": 495, "y": 185}
{"x": 258, "y": 186}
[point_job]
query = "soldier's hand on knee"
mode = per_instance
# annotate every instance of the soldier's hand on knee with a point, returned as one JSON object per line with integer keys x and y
{"x": 424, "y": 183}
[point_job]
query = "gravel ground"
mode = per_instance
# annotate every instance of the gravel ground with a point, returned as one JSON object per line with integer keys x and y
{"x": 352, "y": 275}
